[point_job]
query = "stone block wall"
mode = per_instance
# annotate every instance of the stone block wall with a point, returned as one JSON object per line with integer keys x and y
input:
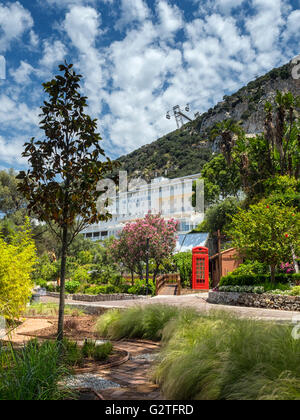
{"x": 268, "y": 301}
{"x": 98, "y": 298}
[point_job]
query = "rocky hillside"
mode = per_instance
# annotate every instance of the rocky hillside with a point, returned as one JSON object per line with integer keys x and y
{"x": 185, "y": 151}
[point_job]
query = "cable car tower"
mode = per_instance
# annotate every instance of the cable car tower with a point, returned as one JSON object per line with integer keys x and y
{"x": 180, "y": 116}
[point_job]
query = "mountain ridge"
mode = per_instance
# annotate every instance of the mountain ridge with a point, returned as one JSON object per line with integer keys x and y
{"x": 185, "y": 151}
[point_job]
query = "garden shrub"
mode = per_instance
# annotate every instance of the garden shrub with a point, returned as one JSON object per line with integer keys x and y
{"x": 296, "y": 278}
{"x": 72, "y": 353}
{"x": 220, "y": 357}
{"x": 244, "y": 280}
{"x": 72, "y": 286}
{"x": 140, "y": 288}
{"x": 102, "y": 290}
{"x": 254, "y": 280}
{"x": 215, "y": 356}
{"x": 295, "y": 291}
{"x": 103, "y": 351}
{"x": 45, "y": 270}
{"x": 35, "y": 372}
{"x": 95, "y": 351}
{"x": 105, "y": 275}
{"x": 17, "y": 260}
{"x": 251, "y": 268}
{"x": 183, "y": 261}
{"x": 81, "y": 274}
{"x": 137, "y": 322}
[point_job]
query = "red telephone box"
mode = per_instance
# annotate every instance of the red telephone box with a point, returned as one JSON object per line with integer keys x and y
{"x": 200, "y": 268}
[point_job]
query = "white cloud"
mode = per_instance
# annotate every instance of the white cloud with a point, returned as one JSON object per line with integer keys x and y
{"x": 11, "y": 150}
{"x": 14, "y": 21}
{"x": 132, "y": 82}
{"x": 171, "y": 19}
{"x": 265, "y": 26}
{"x": 293, "y": 25}
{"x": 18, "y": 113}
{"x": 22, "y": 74}
{"x": 67, "y": 3}
{"x": 82, "y": 25}
{"x": 34, "y": 39}
{"x": 53, "y": 53}
{"x": 132, "y": 11}
{"x": 227, "y": 5}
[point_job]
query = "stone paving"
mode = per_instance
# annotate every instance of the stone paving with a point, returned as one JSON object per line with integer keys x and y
{"x": 27, "y": 327}
{"x": 134, "y": 376}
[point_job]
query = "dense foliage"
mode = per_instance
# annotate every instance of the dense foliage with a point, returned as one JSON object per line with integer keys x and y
{"x": 131, "y": 248}
{"x": 33, "y": 373}
{"x": 17, "y": 259}
{"x": 267, "y": 233}
{"x": 183, "y": 265}
{"x": 215, "y": 356}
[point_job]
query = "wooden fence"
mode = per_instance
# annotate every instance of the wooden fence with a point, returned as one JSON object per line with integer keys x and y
{"x": 165, "y": 279}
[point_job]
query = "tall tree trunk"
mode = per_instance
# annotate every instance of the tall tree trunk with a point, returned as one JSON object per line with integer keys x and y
{"x": 296, "y": 265}
{"x": 273, "y": 268}
{"x": 132, "y": 278}
{"x": 61, "y": 315}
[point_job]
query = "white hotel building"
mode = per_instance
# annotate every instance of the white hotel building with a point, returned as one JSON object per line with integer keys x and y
{"x": 172, "y": 198}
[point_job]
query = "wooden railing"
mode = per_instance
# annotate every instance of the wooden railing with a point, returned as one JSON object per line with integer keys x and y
{"x": 165, "y": 279}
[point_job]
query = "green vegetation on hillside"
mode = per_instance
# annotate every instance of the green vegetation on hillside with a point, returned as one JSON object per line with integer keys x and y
{"x": 177, "y": 154}
{"x": 184, "y": 152}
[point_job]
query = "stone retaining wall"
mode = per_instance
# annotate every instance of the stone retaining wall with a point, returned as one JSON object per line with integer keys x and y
{"x": 268, "y": 301}
{"x": 98, "y": 298}
{"x": 89, "y": 309}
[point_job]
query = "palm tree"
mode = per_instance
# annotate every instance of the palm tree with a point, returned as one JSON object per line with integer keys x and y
{"x": 227, "y": 130}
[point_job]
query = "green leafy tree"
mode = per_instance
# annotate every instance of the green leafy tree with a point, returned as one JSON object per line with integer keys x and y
{"x": 284, "y": 190}
{"x": 219, "y": 216}
{"x": 266, "y": 233}
{"x": 131, "y": 248}
{"x": 227, "y": 131}
{"x": 276, "y": 152}
{"x": 220, "y": 180}
{"x": 11, "y": 200}
{"x": 65, "y": 167}
{"x": 17, "y": 260}
{"x": 282, "y": 134}
{"x": 183, "y": 261}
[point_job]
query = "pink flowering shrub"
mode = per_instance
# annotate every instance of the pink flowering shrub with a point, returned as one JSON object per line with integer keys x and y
{"x": 287, "y": 268}
{"x": 131, "y": 248}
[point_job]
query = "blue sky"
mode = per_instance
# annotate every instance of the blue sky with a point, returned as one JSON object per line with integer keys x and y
{"x": 139, "y": 58}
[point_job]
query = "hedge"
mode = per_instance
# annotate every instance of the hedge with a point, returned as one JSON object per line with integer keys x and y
{"x": 258, "y": 279}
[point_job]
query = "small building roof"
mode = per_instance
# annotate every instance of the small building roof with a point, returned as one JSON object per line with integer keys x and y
{"x": 226, "y": 251}
{"x": 186, "y": 242}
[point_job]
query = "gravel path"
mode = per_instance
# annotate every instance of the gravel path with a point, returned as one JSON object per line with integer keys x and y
{"x": 90, "y": 381}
